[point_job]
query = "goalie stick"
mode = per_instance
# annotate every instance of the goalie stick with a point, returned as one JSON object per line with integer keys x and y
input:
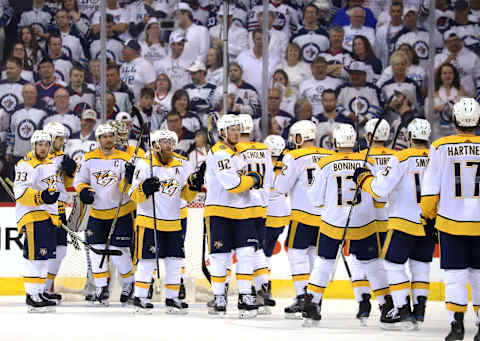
{"x": 353, "y": 203}
{"x": 117, "y": 210}
{"x": 72, "y": 234}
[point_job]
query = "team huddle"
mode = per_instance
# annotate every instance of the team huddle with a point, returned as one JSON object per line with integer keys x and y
{"x": 390, "y": 207}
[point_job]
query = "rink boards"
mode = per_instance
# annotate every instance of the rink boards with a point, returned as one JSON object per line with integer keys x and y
{"x": 73, "y": 270}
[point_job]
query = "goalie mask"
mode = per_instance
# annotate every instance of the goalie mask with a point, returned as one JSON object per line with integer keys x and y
{"x": 275, "y": 143}
{"x": 344, "y": 136}
{"x": 246, "y": 124}
{"x": 419, "y": 129}
{"x": 305, "y": 129}
{"x": 466, "y": 113}
{"x": 121, "y": 133}
{"x": 383, "y": 130}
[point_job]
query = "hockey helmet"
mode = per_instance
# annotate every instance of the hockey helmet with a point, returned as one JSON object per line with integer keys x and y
{"x": 305, "y": 128}
{"x": 103, "y": 129}
{"x": 121, "y": 132}
{"x": 225, "y": 122}
{"x": 383, "y": 130}
{"x": 123, "y": 116}
{"x": 56, "y": 129}
{"x": 466, "y": 113}
{"x": 419, "y": 129}
{"x": 344, "y": 136}
{"x": 157, "y": 136}
{"x": 174, "y": 138}
{"x": 275, "y": 143}
{"x": 40, "y": 136}
{"x": 246, "y": 124}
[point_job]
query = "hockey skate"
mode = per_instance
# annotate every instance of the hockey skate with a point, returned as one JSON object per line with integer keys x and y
{"x": 142, "y": 305}
{"x": 477, "y": 336}
{"x": 211, "y": 303}
{"x": 219, "y": 306}
{"x": 458, "y": 330}
{"x": 311, "y": 312}
{"x": 247, "y": 308}
{"x": 364, "y": 309}
{"x": 51, "y": 296}
{"x": 176, "y": 307}
{"x": 294, "y": 311}
{"x": 50, "y": 305}
{"x": 101, "y": 297}
{"x": 127, "y": 292}
{"x": 419, "y": 312}
{"x": 36, "y": 305}
{"x": 264, "y": 299}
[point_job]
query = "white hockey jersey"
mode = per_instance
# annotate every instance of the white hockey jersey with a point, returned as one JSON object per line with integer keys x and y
{"x": 196, "y": 45}
{"x": 81, "y": 101}
{"x": 237, "y": 38}
{"x": 334, "y": 190}
{"x": 420, "y": 42}
{"x": 72, "y": 48}
{"x": 31, "y": 177}
{"x": 296, "y": 178}
{"x": 77, "y": 146}
{"x": 11, "y": 94}
{"x": 312, "y": 89}
{"x": 365, "y": 101}
{"x": 400, "y": 181}
{"x": 279, "y": 210}
{"x": 187, "y": 169}
{"x": 70, "y": 121}
{"x": 311, "y": 42}
{"x": 451, "y": 185}
{"x": 36, "y": 17}
{"x": 137, "y": 74}
{"x": 62, "y": 69}
{"x": 63, "y": 181}
{"x": 175, "y": 69}
{"x": 113, "y": 52}
{"x": 228, "y": 190}
{"x": 23, "y": 124}
{"x": 105, "y": 175}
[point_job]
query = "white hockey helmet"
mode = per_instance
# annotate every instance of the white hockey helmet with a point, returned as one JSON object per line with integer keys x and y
{"x": 419, "y": 129}
{"x": 174, "y": 138}
{"x": 305, "y": 128}
{"x": 344, "y": 136}
{"x": 246, "y": 124}
{"x": 225, "y": 122}
{"x": 123, "y": 116}
{"x": 466, "y": 113}
{"x": 56, "y": 129}
{"x": 383, "y": 130}
{"x": 40, "y": 136}
{"x": 158, "y": 135}
{"x": 102, "y": 129}
{"x": 275, "y": 143}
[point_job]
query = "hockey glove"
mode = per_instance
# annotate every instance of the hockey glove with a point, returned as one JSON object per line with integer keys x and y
{"x": 150, "y": 186}
{"x": 49, "y": 197}
{"x": 257, "y": 179}
{"x": 69, "y": 166}
{"x": 87, "y": 196}
{"x": 431, "y": 232}
{"x": 360, "y": 175}
{"x": 197, "y": 179}
{"x": 129, "y": 169}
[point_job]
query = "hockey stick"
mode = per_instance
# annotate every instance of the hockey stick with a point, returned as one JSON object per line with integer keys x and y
{"x": 117, "y": 211}
{"x": 155, "y": 241}
{"x": 353, "y": 202}
{"x": 69, "y": 232}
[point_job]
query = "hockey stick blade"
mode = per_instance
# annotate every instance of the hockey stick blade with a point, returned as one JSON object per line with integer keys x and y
{"x": 108, "y": 252}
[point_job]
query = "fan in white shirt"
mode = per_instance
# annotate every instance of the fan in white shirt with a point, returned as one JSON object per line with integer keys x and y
{"x": 357, "y": 27}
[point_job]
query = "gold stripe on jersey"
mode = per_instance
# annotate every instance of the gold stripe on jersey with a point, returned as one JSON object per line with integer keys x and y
{"x": 36, "y": 216}
{"x": 246, "y": 182}
{"x": 34, "y": 162}
{"x": 381, "y": 292}
{"x": 110, "y": 213}
{"x": 298, "y": 153}
{"x": 244, "y": 146}
{"x": 353, "y": 233}
{"x": 406, "y": 226}
{"x": 218, "y": 279}
{"x": 405, "y": 154}
{"x": 235, "y": 213}
{"x": 456, "y": 139}
{"x": 429, "y": 205}
{"x": 97, "y": 275}
{"x": 456, "y": 227}
{"x": 292, "y": 233}
{"x": 382, "y": 225}
{"x": 131, "y": 152}
{"x": 183, "y": 212}
{"x": 379, "y": 204}
{"x": 162, "y": 225}
{"x": 306, "y": 218}
{"x": 277, "y": 222}
{"x": 30, "y": 240}
{"x": 116, "y": 155}
{"x": 180, "y": 156}
{"x": 220, "y": 145}
{"x": 343, "y": 156}
{"x": 31, "y": 197}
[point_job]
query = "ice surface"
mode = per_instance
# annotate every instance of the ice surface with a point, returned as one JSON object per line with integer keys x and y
{"x": 76, "y": 321}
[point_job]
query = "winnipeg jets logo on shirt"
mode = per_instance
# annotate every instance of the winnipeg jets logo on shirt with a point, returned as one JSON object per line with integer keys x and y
{"x": 9, "y": 102}
{"x": 51, "y": 182}
{"x": 310, "y": 51}
{"x": 105, "y": 177}
{"x": 421, "y": 48}
{"x": 359, "y": 105}
{"x": 25, "y": 129}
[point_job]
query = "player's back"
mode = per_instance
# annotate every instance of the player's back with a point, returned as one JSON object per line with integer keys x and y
{"x": 296, "y": 178}
{"x": 453, "y": 173}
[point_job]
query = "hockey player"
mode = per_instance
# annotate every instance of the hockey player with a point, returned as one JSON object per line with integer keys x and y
{"x": 450, "y": 192}
{"x": 121, "y": 139}
{"x": 99, "y": 181}
{"x": 36, "y": 209}
{"x": 65, "y": 171}
{"x": 295, "y": 179}
{"x": 167, "y": 182}
{"x": 334, "y": 191}
{"x": 230, "y": 215}
{"x": 278, "y": 210}
{"x": 407, "y": 239}
{"x": 258, "y": 159}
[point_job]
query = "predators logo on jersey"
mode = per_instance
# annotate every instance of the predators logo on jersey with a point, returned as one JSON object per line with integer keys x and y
{"x": 51, "y": 182}
{"x": 169, "y": 187}
{"x": 105, "y": 177}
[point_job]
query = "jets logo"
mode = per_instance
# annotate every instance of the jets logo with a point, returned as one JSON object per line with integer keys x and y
{"x": 310, "y": 51}
{"x": 421, "y": 48}
{"x": 51, "y": 182}
{"x": 169, "y": 187}
{"x": 25, "y": 129}
{"x": 105, "y": 177}
{"x": 359, "y": 105}
{"x": 9, "y": 102}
